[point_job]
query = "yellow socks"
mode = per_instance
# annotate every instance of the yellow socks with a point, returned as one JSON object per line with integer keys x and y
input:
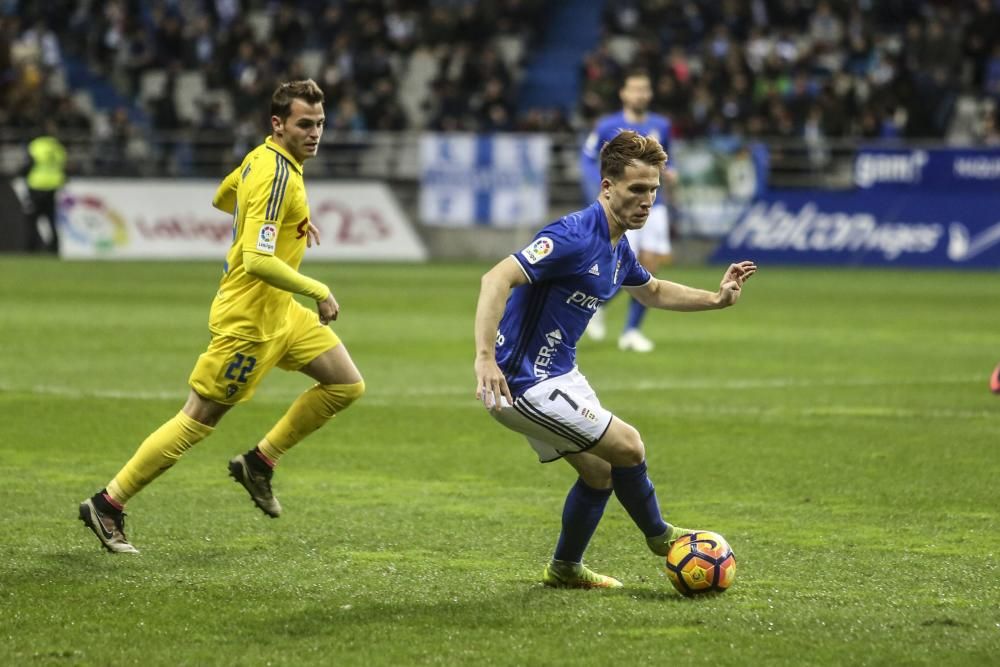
{"x": 158, "y": 452}
{"x": 309, "y": 411}
{"x": 165, "y": 446}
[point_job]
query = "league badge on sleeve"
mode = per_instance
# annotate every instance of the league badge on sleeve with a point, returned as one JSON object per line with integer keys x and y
{"x": 538, "y": 250}
{"x": 266, "y": 239}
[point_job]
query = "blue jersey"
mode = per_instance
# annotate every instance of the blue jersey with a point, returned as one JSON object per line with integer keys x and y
{"x": 607, "y": 128}
{"x": 572, "y": 270}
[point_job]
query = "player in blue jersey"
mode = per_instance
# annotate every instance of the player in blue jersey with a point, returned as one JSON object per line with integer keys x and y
{"x": 533, "y": 308}
{"x": 651, "y": 242}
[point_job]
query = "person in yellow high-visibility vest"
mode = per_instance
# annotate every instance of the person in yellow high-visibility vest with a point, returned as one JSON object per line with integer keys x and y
{"x": 46, "y": 174}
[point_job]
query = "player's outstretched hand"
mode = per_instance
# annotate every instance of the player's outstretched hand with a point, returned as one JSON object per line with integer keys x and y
{"x": 491, "y": 385}
{"x": 732, "y": 281}
{"x": 328, "y": 310}
{"x": 312, "y": 237}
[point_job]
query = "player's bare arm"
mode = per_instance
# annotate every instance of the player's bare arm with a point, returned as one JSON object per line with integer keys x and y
{"x": 674, "y": 296}
{"x": 495, "y": 287}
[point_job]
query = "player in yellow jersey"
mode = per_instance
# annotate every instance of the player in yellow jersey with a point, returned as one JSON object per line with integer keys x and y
{"x": 255, "y": 322}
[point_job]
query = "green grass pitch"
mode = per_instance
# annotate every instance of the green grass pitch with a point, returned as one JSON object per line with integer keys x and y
{"x": 836, "y": 427}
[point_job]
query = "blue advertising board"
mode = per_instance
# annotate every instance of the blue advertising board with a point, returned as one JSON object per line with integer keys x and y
{"x": 868, "y": 228}
{"x": 945, "y": 170}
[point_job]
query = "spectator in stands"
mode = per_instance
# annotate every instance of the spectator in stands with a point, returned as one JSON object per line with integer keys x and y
{"x": 69, "y": 118}
{"x": 346, "y": 117}
{"x": 288, "y": 28}
{"x": 8, "y": 72}
{"x": 989, "y": 131}
{"x": 448, "y": 107}
{"x": 40, "y": 39}
{"x": 135, "y": 57}
{"x": 381, "y": 107}
{"x": 982, "y": 31}
{"x": 492, "y": 110}
{"x": 599, "y": 80}
{"x": 991, "y": 73}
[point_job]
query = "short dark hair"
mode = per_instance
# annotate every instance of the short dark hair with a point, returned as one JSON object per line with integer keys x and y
{"x": 306, "y": 90}
{"x": 633, "y": 73}
{"x": 627, "y": 147}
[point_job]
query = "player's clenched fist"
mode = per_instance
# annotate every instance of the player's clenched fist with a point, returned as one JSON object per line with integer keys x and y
{"x": 328, "y": 309}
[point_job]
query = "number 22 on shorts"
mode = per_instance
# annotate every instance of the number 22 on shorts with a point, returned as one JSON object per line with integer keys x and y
{"x": 241, "y": 364}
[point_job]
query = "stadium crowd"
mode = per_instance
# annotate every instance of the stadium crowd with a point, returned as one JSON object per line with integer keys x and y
{"x": 807, "y": 68}
{"x": 771, "y": 68}
{"x": 243, "y": 48}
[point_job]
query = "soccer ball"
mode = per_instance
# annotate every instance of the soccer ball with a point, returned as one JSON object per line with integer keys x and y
{"x": 701, "y": 562}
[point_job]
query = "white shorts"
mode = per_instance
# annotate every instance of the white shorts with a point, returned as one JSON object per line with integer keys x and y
{"x": 558, "y": 416}
{"x": 654, "y": 236}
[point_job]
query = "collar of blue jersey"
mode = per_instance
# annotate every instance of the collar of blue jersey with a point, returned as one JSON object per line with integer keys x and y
{"x": 283, "y": 153}
{"x": 605, "y": 226}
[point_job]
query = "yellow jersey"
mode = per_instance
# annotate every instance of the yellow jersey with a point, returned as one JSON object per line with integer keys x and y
{"x": 267, "y": 197}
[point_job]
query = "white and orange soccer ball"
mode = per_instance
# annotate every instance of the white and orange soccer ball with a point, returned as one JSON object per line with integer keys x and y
{"x": 701, "y": 562}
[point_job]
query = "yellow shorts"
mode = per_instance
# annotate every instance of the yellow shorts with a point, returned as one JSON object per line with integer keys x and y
{"x": 231, "y": 368}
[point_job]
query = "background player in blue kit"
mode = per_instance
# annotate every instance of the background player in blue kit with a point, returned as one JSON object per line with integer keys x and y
{"x": 651, "y": 242}
{"x": 533, "y": 308}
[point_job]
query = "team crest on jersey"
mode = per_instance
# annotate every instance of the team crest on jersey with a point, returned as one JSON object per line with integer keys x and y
{"x": 541, "y": 248}
{"x": 266, "y": 239}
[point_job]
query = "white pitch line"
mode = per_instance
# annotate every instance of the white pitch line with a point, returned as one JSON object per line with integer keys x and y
{"x": 75, "y": 392}
{"x": 784, "y": 383}
{"x": 458, "y": 391}
{"x": 428, "y": 396}
{"x": 828, "y": 411}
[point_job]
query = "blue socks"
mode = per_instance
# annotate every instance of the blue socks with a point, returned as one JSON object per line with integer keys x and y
{"x": 636, "y": 313}
{"x": 582, "y": 512}
{"x": 636, "y": 494}
{"x": 585, "y": 506}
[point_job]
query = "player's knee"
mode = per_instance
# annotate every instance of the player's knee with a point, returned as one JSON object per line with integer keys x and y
{"x": 337, "y": 397}
{"x": 622, "y": 445}
{"x": 203, "y": 410}
{"x": 631, "y": 450}
{"x": 355, "y": 391}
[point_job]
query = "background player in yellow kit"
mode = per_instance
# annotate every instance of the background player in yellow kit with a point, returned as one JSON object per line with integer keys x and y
{"x": 255, "y": 323}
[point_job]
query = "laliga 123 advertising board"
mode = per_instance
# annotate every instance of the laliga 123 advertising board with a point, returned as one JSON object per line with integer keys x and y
{"x": 159, "y": 219}
{"x": 915, "y": 229}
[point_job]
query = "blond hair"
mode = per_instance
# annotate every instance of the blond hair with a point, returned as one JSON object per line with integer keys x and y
{"x": 306, "y": 90}
{"x": 627, "y": 147}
